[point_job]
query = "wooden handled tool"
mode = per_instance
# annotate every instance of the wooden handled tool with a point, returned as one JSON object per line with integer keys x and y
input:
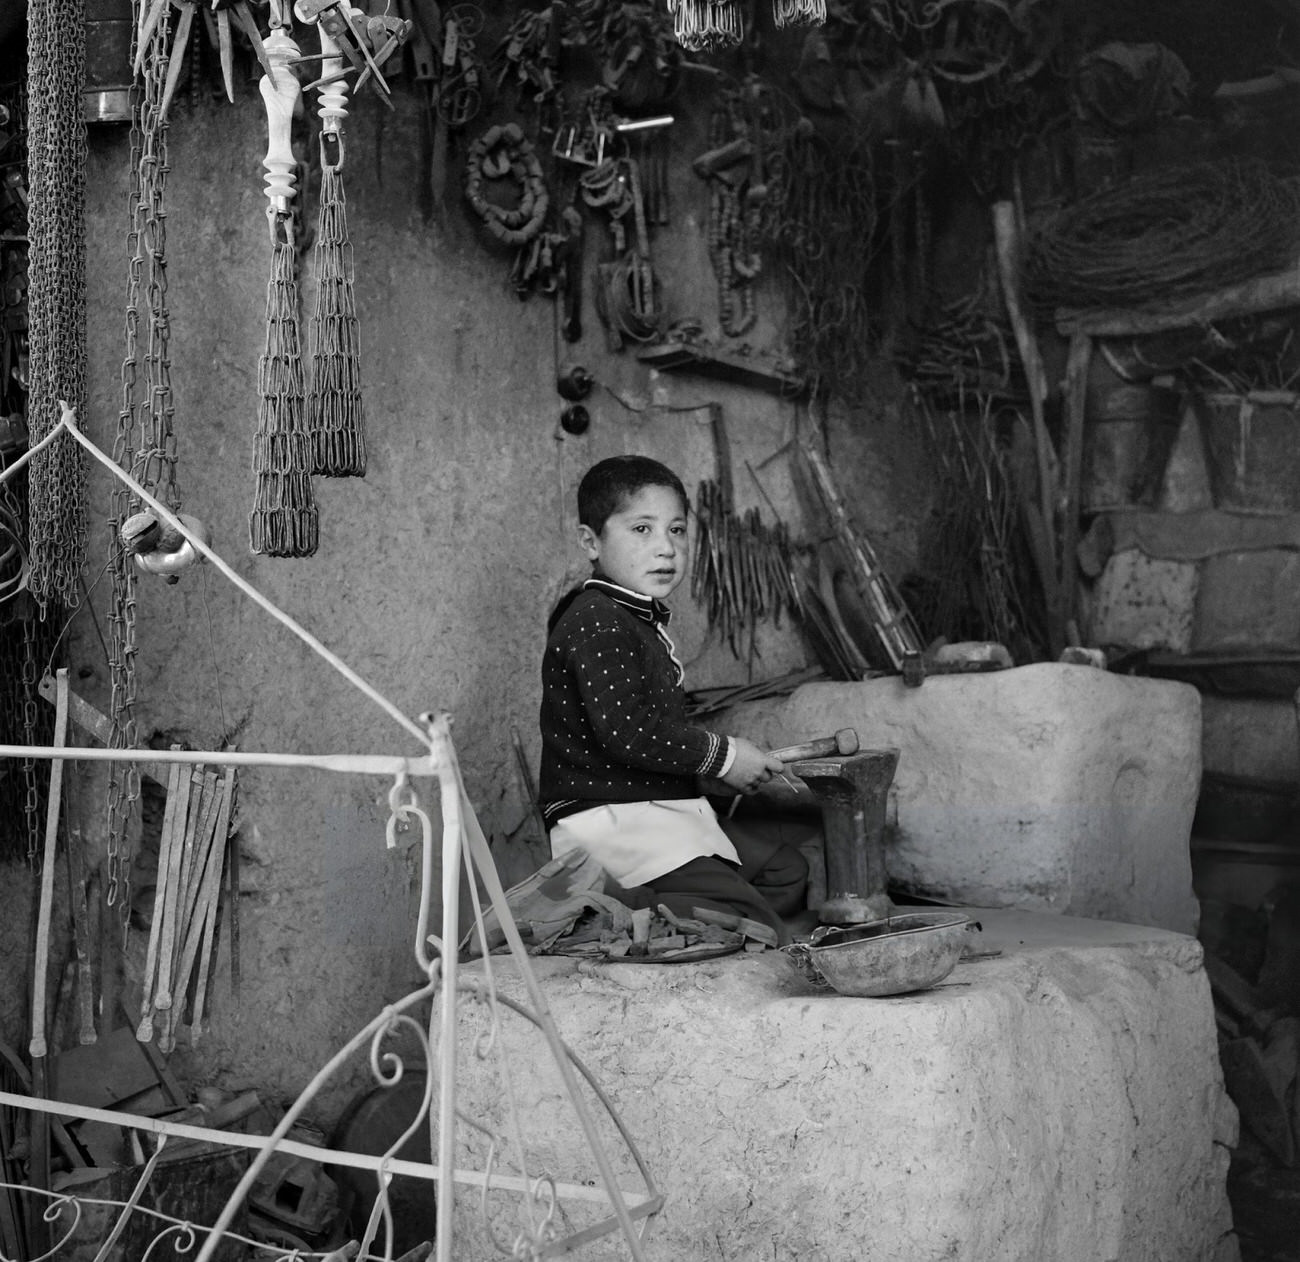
{"x": 843, "y": 743}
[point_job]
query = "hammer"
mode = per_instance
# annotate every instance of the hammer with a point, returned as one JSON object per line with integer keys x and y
{"x": 842, "y": 744}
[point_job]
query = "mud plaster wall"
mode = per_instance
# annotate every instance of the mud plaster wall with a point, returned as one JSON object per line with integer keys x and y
{"x": 434, "y": 572}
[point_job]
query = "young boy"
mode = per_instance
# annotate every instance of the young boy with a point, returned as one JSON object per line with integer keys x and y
{"x": 620, "y": 760}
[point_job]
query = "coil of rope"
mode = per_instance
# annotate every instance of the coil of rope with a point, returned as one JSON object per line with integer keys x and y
{"x": 1183, "y": 230}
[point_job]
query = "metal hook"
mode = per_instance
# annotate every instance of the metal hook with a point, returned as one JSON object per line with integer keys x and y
{"x": 401, "y": 801}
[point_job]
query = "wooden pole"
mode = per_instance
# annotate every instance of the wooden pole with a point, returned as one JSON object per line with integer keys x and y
{"x": 39, "y": 1171}
{"x": 1076, "y": 390}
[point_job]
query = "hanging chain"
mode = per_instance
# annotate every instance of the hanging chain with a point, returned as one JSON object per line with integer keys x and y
{"x": 57, "y": 294}
{"x": 284, "y": 521}
{"x": 335, "y": 410}
{"x": 145, "y": 443}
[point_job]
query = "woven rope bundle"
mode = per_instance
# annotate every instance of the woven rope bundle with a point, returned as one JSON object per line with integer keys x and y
{"x": 334, "y": 407}
{"x": 1177, "y": 232}
{"x": 284, "y": 521}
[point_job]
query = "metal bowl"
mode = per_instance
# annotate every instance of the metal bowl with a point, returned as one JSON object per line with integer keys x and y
{"x": 900, "y": 953}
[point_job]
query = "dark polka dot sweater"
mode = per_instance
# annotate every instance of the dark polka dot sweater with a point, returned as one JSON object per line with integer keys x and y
{"x": 613, "y": 715}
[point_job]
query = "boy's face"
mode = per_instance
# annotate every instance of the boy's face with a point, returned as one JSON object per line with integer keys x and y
{"x": 643, "y": 544}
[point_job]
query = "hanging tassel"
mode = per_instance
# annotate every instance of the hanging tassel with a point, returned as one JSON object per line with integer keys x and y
{"x": 334, "y": 407}
{"x": 798, "y": 13}
{"x": 284, "y": 521}
{"x": 705, "y": 25}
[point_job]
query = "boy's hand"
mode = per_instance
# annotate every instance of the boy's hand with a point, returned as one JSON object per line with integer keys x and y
{"x": 751, "y": 768}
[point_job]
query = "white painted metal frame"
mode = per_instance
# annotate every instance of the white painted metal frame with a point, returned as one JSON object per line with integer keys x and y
{"x": 462, "y": 841}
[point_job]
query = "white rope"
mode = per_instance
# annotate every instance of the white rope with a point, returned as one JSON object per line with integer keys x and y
{"x": 68, "y": 422}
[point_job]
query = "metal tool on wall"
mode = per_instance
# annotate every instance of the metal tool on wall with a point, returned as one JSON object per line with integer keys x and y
{"x": 284, "y": 521}
{"x": 891, "y": 619}
{"x": 742, "y": 571}
{"x": 457, "y": 96}
{"x": 738, "y": 200}
{"x": 191, "y": 861}
{"x": 625, "y": 292}
{"x": 222, "y": 12}
{"x": 366, "y": 44}
{"x": 335, "y": 413}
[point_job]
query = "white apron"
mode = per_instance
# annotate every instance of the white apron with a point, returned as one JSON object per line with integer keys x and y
{"x": 637, "y": 841}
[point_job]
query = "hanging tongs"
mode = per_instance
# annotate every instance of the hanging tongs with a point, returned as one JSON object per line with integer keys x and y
{"x": 223, "y": 10}
{"x": 356, "y": 36}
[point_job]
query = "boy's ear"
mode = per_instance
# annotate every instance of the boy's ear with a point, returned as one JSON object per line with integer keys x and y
{"x": 589, "y": 542}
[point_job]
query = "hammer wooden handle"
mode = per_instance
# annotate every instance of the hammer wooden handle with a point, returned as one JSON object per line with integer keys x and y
{"x": 843, "y": 743}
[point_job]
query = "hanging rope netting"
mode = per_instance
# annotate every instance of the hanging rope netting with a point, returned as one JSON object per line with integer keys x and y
{"x": 334, "y": 407}
{"x": 284, "y": 521}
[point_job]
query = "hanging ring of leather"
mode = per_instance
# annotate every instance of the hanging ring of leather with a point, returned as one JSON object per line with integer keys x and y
{"x": 503, "y": 151}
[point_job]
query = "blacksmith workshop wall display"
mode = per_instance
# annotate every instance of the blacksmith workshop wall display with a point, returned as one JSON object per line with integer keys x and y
{"x": 969, "y": 328}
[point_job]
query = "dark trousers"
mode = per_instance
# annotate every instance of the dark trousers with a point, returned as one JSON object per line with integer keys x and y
{"x": 769, "y": 884}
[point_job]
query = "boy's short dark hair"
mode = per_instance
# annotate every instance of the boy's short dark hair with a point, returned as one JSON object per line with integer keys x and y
{"x": 607, "y": 484}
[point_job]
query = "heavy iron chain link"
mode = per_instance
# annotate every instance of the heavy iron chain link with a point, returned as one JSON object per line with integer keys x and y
{"x": 335, "y": 409}
{"x": 145, "y": 444}
{"x": 57, "y": 294}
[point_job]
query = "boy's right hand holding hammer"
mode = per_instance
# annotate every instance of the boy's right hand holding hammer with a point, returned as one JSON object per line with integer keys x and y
{"x": 751, "y": 768}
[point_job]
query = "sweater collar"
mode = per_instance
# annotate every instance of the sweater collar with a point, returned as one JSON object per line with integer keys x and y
{"x": 648, "y": 608}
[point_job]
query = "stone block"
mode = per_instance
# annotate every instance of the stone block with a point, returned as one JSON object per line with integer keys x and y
{"x": 1054, "y": 787}
{"x": 1248, "y": 602}
{"x": 1250, "y": 737}
{"x": 1060, "y": 1101}
{"x": 1142, "y": 602}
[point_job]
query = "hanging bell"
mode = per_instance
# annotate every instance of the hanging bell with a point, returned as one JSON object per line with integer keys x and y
{"x": 574, "y": 383}
{"x": 575, "y": 419}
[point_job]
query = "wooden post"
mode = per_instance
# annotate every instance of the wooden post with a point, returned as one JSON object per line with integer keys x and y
{"x": 1041, "y": 517}
{"x": 1076, "y": 389}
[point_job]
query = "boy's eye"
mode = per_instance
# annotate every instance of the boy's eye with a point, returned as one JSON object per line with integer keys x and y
{"x": 678, "y": 530}
{"x": 640, "y": 528}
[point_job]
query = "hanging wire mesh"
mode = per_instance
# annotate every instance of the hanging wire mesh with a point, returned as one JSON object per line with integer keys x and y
{"x": 334, "y": 407}
{"x": 284, "y": 521}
